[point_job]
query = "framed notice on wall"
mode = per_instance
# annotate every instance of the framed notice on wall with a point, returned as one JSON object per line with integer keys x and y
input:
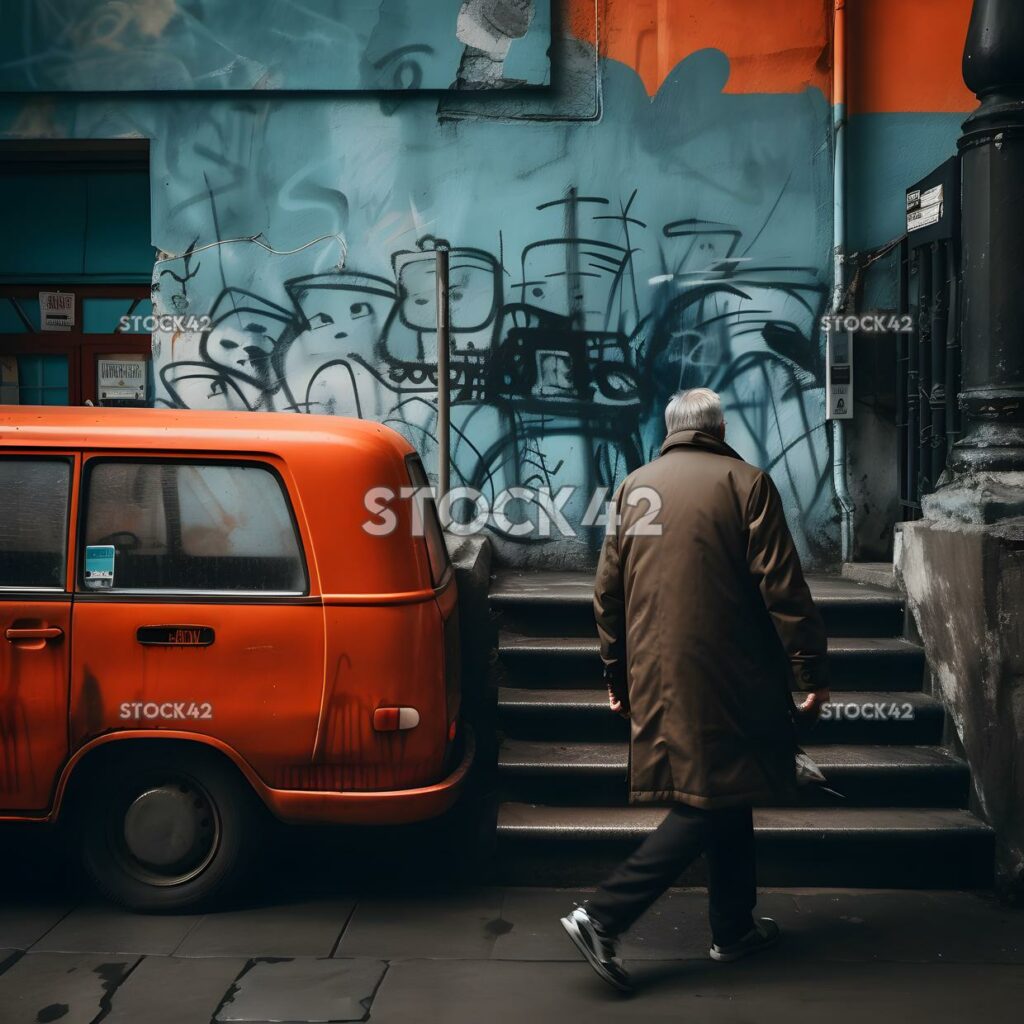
{"x": 120, "y": 378}
{"x": 56, "y": 311}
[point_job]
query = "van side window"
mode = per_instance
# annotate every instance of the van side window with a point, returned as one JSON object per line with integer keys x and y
{"x": 33, "y": 522}
{"x": 437, "y": 549}
{"x": 189, "y": 527}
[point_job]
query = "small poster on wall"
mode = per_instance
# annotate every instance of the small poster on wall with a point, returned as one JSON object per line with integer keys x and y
{"x": 121, "y": 378}
{"x": 56, "y": 311}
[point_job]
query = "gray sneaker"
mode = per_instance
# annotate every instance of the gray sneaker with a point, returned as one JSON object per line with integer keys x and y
{"x": 765, "y": 933}
{"x": 601, "y": 950}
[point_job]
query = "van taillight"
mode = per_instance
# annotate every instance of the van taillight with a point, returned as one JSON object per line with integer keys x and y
{"x": 395, "y": 719}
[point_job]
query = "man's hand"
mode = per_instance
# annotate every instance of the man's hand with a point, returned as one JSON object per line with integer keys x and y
{"x": 812, "y": 705}
{"x": 617, "y": 705}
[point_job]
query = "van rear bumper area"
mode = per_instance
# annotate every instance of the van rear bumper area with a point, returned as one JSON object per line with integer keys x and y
{"x": 387, "y": 807}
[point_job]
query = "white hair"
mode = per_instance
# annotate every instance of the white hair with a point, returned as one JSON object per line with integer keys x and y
{"x": 695, "y": 409}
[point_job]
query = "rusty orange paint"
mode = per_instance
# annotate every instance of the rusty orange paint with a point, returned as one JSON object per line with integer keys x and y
{"x": 905, "y": 56}
{"x": 772, "y": 45}
{"x": 902, "y": 55}
{"x": 287, "y": 685}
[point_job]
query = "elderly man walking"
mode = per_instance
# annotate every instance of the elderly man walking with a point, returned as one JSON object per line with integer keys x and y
{"x": 706, "y": 626}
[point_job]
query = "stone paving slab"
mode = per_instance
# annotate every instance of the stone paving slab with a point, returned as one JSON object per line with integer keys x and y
{"x": 72, "y": 988}
{"x": 461, "y": 924}
{"x": 310, "y": 928}
{"x": 304, "y": 990}
{"x": 173, "y": 990}
{"x": 107, "y": 929}
{"x": 770, "y": 990}
{"x": 24, "y": 922}
{"x": 915, "y": 927}
{"x": 491, "y": 954}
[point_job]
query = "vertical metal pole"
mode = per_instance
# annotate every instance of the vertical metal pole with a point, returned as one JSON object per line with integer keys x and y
{"x": 924, "y": 367}
{"x": 443, "y": 395}
{"x": 913, "y": 391}
{"x": 953, "y": 349}
{"x": 902, "y": 363}
{"x": 992, "y": 244}
{"x": 937, "y": 387}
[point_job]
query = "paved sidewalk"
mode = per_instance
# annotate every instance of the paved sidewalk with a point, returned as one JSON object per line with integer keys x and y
{"x": 498, "y": 955}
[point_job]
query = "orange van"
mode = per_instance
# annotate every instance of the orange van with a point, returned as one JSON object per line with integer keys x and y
{"x": 199, "y": 615}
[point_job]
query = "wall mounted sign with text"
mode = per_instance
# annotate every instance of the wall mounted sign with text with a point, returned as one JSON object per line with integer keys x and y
{"x": 120, "y": 378}
{"x": 56, "y": 311}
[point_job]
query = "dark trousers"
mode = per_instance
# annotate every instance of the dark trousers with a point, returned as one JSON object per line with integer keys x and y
{"x": 725, "y": 837}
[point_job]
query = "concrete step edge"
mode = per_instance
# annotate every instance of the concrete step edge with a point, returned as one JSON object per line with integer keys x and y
{"x": 542, "y": 821}
{"x": 522, "y": 589}
{"x": 595, "y": 698}
{"x": 547, "y": 757}
{"x": 519, "y": 644}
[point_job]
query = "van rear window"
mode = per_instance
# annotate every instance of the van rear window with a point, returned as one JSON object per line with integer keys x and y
{"x": 437, "y": 550}
{"x": 33, "y": 522}
{"x": 187, "y": 526}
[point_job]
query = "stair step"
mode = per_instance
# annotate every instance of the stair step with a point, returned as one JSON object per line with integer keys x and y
{"x": 585, "y": 823}
{"x": 554, "y": 603}
{"x": 564, "y": 817}
{"x": 855, "y": 663}
{"x": 913, "y": 847}
{"x": 561, "y": 773}
{"x": 854, "y": 716}
{"x": 536, "y": 756}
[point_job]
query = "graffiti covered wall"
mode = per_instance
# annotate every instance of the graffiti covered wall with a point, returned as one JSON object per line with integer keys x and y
{"x": 640, "y": 225}
{"x": 271, "y": 45}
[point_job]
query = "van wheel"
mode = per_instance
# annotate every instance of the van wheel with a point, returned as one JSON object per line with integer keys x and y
{"x": 167, "y": 830}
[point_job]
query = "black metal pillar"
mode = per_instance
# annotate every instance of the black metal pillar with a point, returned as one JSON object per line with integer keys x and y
{"x": 992, "y": 309}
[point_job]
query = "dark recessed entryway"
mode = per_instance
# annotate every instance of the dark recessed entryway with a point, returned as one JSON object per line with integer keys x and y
{"x": 76, "y": 258}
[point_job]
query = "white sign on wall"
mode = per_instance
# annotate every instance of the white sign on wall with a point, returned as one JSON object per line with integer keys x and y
{"x": 839, "y": 377}
{"x": 56, "y": 311}
{"x": 924, "y": 208}
{"x": 121, "y": 377}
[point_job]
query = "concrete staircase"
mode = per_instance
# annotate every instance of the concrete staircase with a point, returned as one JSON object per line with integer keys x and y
{"x": 563, "y": 815}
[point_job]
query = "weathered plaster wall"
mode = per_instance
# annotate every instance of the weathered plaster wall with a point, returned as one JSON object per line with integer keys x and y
{"x": 658, "y": 216}
{"x": 271, "y": 45}
{"x": 965, "y": 587}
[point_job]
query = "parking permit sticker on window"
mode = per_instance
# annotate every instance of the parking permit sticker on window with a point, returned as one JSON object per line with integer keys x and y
{"x": 99, "y": 565}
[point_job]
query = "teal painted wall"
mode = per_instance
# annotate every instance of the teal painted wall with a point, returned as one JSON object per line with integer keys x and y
{"x": 607, "y": 248}
{"x": 272, "y": 45}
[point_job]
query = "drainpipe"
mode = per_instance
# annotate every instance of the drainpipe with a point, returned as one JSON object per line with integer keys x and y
{"x": 842, "y": 492}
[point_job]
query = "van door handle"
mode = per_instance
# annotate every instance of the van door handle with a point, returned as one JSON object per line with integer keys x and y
{"x": 35, "y": 633}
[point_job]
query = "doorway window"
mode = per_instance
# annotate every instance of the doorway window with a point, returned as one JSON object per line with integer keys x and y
{"x": 43, "y": 380}
{"x": 76, "y": 366}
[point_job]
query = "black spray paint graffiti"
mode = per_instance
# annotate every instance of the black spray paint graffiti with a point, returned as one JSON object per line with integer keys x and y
{"x": 559, "y": 375}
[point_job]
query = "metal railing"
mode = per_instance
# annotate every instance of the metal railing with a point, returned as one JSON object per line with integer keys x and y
{"x": 928, "y": 367}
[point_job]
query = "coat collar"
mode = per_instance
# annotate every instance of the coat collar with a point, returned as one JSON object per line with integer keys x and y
{"x": 697, "y": 439}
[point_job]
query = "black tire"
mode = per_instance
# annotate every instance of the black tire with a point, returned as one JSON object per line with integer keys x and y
{"x": 171, "y": 801}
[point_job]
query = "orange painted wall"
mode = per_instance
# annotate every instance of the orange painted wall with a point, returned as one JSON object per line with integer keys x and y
{"x": 904, "y": 55}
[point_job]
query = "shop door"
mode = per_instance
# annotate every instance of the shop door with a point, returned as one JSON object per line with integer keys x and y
{"x": 94, "y": 356}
